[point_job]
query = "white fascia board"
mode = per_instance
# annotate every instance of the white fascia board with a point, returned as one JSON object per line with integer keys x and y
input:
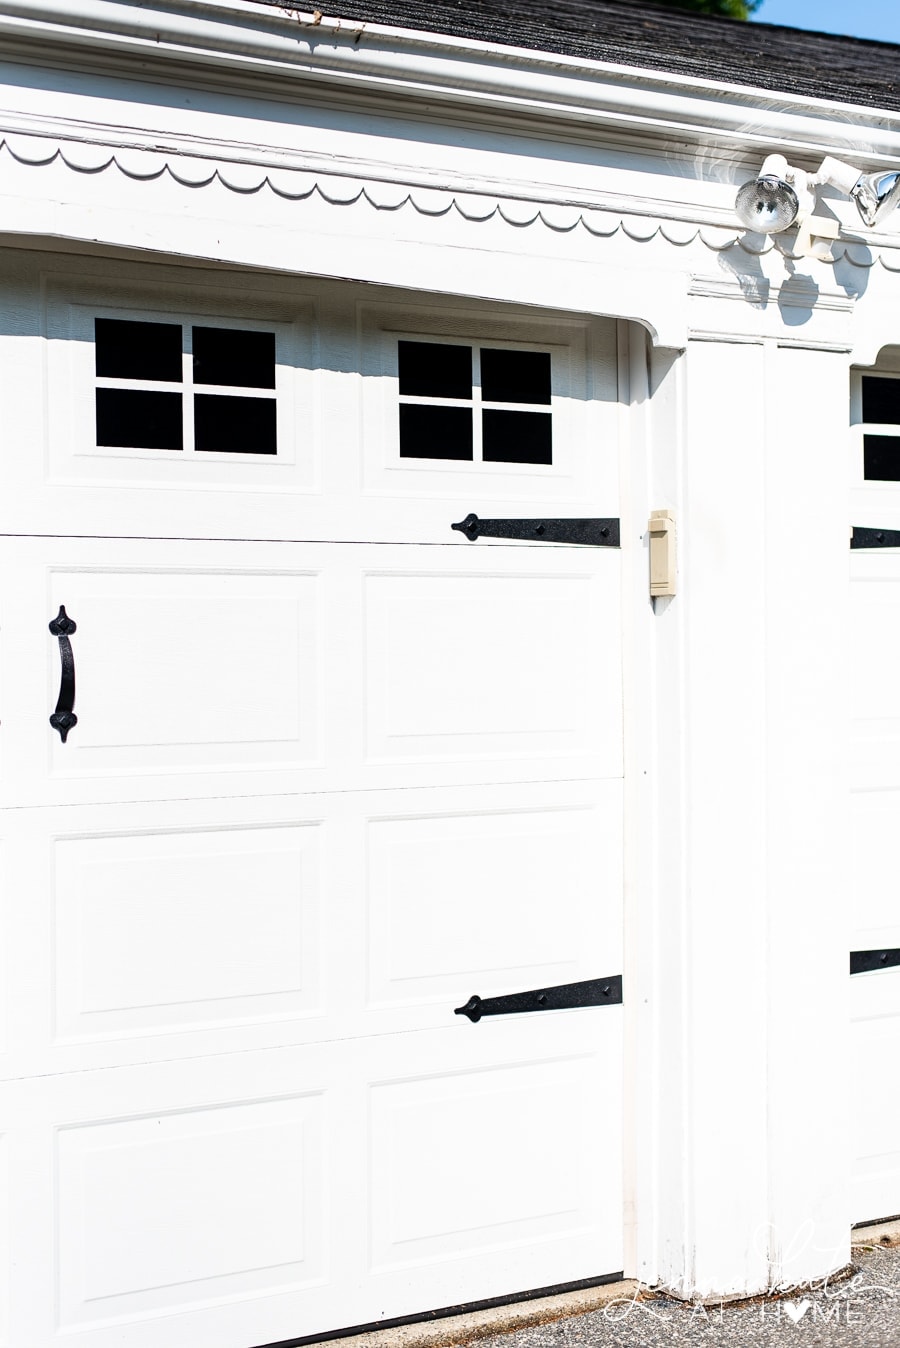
{"x": 240, "y": 40}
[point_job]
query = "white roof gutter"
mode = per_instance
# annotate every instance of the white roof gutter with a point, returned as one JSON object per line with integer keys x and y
{"x": 268, "y": 46}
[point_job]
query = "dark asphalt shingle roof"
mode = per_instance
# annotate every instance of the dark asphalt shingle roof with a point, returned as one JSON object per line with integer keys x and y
{"x": 820, "y": 65}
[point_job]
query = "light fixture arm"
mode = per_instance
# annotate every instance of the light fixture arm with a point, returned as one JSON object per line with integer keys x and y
{"x": 835, "y": 173}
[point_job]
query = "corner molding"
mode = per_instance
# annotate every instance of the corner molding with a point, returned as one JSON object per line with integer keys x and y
{"x": 602, "y": 218}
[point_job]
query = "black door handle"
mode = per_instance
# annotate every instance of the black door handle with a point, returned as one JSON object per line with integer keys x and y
{"x": 64, "y": 718}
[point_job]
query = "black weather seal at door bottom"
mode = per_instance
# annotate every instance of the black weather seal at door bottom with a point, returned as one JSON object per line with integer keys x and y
{"x": 468, "y": 1308}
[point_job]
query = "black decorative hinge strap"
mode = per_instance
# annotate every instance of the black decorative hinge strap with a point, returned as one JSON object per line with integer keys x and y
{"x": 595, "y": 533}
{"x": 591, "y": 992}
{"x": 64, "y": 718}
{"x": 864, "y": 537}
{"x": 865, "y": 961}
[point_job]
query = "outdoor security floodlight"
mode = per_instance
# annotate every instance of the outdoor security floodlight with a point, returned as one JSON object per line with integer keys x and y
{"x": 876, "y": 194}
{"x": 782, "y": 195}
{"x": 769, "y": 203}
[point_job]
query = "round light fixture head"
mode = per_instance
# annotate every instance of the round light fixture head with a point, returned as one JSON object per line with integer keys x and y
{"x": 767, "y": 205}
{"x": 876, "y": 195}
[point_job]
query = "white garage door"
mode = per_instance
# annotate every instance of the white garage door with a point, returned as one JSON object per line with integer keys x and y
{"x": 875, "y": 750}
{"x": 335, "y": 769}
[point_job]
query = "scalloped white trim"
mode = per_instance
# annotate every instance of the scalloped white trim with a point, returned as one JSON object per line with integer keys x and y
{"x": 299, "y": 185}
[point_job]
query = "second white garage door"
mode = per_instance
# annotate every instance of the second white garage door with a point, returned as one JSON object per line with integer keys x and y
{"x": 874, "y": 924}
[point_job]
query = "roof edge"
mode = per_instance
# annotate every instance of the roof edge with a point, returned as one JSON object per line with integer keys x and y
{"x": 240, "y": 40}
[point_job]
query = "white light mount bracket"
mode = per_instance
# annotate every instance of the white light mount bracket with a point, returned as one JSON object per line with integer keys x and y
{"x": 815, "y": 235}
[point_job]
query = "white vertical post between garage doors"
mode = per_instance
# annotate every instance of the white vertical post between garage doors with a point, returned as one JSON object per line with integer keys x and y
{"x": 742, "y": 990}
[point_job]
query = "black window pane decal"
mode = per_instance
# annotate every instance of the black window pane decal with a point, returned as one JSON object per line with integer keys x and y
{"x": 139, "y": 419}
{"x": 435, "y": 432}
{"x": 516, "y": 437}
{"x": 515, "y": 376}
{"x": 234, "y": 358}
{"x": 130, "y": 350}
{"x": 233, "y": 425}
{"x": 435, "y": 370}
{"x": 881, "y": 401}
{"x": 881, "y": 455}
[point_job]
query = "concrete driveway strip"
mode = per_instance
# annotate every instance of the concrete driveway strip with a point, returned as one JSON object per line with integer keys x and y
{"x": 860, "y": 1309}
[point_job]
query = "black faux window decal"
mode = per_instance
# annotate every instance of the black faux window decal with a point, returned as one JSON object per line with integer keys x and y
{"x": 881, "y": 401}
{"x": 435, "y": 432}
{"x": 230, "y": 357}
{"x": 881, "y": 407}
{"x": 220, "y": 387}
{"x": 515, "y": 376}
{"x": 234, "y": 425}
{"x": 139, "y": 418}
{"x": 124, "y": 349}
{"x": 881, "y": 458}
{"x": 435, "y": 369}
{"x": 485, "y": 404}
{"x": 516, "y": 437}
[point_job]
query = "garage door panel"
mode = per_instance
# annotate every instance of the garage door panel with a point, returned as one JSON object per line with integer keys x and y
{"x": 528, "y": 1104}
{"x": 481, "y": 664}
{"x": 302, "y": 670}
{"x": 875, "y": 1047}
{"x": 168, "y": 930}
{"x": 442, "y": 887}
{"x": 495, "y": 1113}
{"x": 875, "y": 825}
{"x": 5, "y": 1267}
{"x": 200, "y": 1203}
{"x": 187, "y": 928}
{"x": 875, "y": 998}
{"x": 189, "y": 670}
{"x": 875, "y": 623}
{"x": 7, "y": 912}
{"x": 874, "y": 701}
{"x": 180, "y": 929}
{"x": 168, "y": 1212}
{"x": 255, "y": 1197}
{"x": 186, "y": 669}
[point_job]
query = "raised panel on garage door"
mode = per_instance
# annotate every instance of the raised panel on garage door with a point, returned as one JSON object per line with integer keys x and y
{"x": 874, "y": 917}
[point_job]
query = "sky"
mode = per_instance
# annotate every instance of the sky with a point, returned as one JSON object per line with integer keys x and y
{"x": 879, "y": 19}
